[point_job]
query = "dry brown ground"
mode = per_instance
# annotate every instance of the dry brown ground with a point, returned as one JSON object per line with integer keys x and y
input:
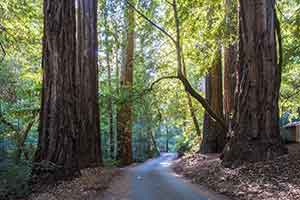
{"x": 89, "y": 186}
{"x": 271, "y": 180}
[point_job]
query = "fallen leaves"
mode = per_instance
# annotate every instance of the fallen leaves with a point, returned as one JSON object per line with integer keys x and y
{"x": 278, "y": 179}
{"x": 88, "y": 186}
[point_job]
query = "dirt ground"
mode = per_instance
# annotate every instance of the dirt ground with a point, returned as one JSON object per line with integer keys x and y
{"x": 271, "y": 180}
{"x": 89, "y": 186}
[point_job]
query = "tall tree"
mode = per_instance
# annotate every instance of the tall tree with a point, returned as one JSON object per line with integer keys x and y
{"x": 58, "y": 131}
{"x": 87, "y": 84}
{"x": 214, "y": 136}
{"x": 256, "y": 137}
{"x": 109, "y": 69}
{"x": 125, "y": 111}
{"x": 230, "y": 60}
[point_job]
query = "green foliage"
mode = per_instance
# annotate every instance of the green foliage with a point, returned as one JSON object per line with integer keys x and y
{"x": 288, "y": 12}
{"x": 14, "y": 179}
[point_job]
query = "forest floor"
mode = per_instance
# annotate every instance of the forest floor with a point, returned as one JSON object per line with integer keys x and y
{"x": 278, "y": 179}
{"x": 89, "y": 186}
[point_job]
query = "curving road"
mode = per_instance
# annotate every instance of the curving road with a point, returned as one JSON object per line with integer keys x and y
{"x": 155, "y": 180}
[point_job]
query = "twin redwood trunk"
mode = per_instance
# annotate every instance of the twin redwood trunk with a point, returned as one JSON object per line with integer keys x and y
{"x": 256, "y": 137}
{"x": 59, "y": 133}
{"x": 87, "y": 80}
{"x": 69, "y": 119}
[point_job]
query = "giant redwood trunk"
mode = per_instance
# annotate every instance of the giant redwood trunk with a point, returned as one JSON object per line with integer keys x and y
{"x": 214, "y": 136}
{"x": 58, "y": 132}
{"x": 230, "y": 61}
{"x": 87, "y": 84}
{"x": 256, "y": 137}
{"x": 124, "y": 124}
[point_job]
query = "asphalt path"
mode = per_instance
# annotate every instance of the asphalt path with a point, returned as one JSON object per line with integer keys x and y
{"x": 155, "y": 180}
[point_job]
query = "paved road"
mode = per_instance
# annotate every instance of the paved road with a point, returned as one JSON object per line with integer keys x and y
{"x": 154, "y": 180}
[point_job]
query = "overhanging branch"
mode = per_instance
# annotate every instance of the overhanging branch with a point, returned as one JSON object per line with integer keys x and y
{"x": 151, "y": 22}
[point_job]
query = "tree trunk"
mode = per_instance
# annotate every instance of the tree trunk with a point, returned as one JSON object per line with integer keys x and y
{"x": 180, "y": 74}
{"x": 110, "y": 104}
{"x": 230, "y": 61}
{"x": 87, "y": 80}
{"x": 58, "y": 131}
{"x": 214, "y": 136}
{"x": 167, "y": 139}
{"x": 256, "y": 137}
{"x": 125, "y": 112}
{"x": 190, "y": 102}
{"x": 23, "y": 134}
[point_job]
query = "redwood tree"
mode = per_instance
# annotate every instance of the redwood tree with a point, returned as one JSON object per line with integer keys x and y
{"x": 230, "y": 60}
{"x": 214, "y": 136}
{"x": 124, "y": 121}
{"x": 256, "y": 136}
{"x": 58, "y": 131}
{"x": 87, "y": 84}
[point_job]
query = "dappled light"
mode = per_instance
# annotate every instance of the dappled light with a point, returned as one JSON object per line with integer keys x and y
{"x": 149, "y": 100}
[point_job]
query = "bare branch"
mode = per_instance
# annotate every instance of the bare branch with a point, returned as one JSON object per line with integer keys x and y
{"x": 170, "y": 3}
{"x": 4, "y": 53}
{"x": 160, "y": 79}
{"x": 7, "y": 123}
{"x": 151, "y": 22}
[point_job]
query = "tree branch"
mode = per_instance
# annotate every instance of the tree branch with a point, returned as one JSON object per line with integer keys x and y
{"x": 7, "y": 123}
{"x": 202, "y": 101}
{"x": 151, "y": 22}
{"x": 186, "y": 83}
{"x": 160, "y": 79}
{"x": 180, "y": 75}
{"x": 4, "y": 53}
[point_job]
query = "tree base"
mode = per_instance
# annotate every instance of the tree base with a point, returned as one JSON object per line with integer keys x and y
{"x": 214, "y": 141}
{"x": 240, "y": 151}
{"x": 47, "y": 173}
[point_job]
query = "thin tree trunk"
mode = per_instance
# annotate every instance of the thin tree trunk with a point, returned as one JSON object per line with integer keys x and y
{"x": 120, "y": 73}
{"x": 256, "y": 137}
{"x": 58, "y": 131}
{"x": 23, "y": 133}
{"x": 125, "y": 112}
{"x": 110, "y": 104}
{"x": 180, "y": 74}
{"x": 214, "y": 137}
{"x": 190, "y": 102}
{"x": 87, "y": 74}
{"x": 167, "y": 140}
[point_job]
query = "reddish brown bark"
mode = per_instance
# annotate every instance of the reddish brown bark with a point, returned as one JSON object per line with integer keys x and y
{"x": 124, "y": 124}
{"x": 58, "y": 131}
{"x": 230, "y": 61}
{"x": 256, "y": 137}
{"x": 87, "y": 84}
{"x": 214, "y": 136}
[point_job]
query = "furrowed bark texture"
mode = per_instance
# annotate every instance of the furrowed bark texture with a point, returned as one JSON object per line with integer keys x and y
{"x": 87, "y": 84}
{"x": 214, "y": 136}
{"x": 58, "y": 131}
{"x": 230, "y": 61}
{"x": 256, "y": 137}
{"x": 125, "y": 112}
